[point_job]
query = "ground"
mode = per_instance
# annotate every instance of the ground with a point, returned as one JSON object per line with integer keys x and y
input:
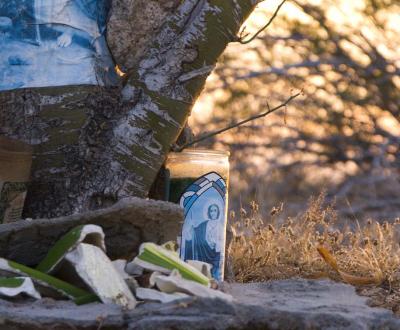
{"x": 286, "y": 304}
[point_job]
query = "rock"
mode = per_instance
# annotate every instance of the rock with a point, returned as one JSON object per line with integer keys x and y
{"x": 288, "y": 304}
{"x": 121, "y": 265}
{"x": 126, "y": 224}
{"x": 310, "y": 304}
{"x": 97, "y": 271}
{"x": 155, "y": 295}
{"x": 16, "y": 286}
{"x": 174, "y": 283}
{"x": 50, "y": 314}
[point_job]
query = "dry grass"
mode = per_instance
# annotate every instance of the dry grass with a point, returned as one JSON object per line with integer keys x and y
{"x": 271, "y": 249}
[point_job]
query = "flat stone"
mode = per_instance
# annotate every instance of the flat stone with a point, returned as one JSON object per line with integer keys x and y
{"x": 310, "y": 304}
{"x": 288, "y": 304}
{"x": 49, "y": 314}
{"x": 126, "y": 225}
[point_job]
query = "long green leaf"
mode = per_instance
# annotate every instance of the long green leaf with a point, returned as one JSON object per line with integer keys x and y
{"x": 159, "y": 256}
{"x": 64, "y": 287}
{"x": 64, "y": 245}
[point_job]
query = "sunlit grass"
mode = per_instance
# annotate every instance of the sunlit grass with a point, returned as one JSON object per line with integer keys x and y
{"x": 264, "y": 249}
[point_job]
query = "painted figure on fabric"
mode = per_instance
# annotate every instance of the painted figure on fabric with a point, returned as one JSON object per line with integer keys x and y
{"x": 53, "y": 43}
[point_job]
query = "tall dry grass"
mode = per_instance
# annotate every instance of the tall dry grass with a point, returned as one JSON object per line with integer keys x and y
{"x": 369, "y": 253}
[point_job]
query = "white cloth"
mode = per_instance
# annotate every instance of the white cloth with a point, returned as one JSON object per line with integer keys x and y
{"x": 213, "y": 234}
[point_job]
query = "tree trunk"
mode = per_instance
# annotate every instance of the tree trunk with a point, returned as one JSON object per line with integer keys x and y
{"x": 96, "y": 145}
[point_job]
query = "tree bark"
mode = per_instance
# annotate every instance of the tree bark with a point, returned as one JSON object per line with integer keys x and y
{"x": 96, "y": 145}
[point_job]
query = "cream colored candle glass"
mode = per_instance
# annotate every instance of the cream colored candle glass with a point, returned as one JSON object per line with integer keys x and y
{"x": 198, "y": 181}
{"x": 15, "y": 166}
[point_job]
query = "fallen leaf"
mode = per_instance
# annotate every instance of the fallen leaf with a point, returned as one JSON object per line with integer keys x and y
{"x": 377, "y": 279}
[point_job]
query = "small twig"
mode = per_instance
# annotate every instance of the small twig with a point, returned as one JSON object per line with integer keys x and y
{"x": 242, "y": 35}
{"x": 222, "y": 130}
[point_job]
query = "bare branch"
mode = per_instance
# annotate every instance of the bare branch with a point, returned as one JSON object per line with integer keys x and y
{"x": 243, "y": 35}
{"x": 222, "y": 130}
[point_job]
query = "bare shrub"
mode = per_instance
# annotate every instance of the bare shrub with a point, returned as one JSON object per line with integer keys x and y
{"x": 265, "y": 249}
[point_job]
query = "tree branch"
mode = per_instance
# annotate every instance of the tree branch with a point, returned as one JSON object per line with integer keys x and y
{"x": 242, "y": 35}
{"x": 222, "y": 130}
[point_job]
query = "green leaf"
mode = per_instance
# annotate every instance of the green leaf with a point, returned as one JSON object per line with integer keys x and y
{"x": 94, "y": 234}
{"x": 90, "y": 298}
{"x": 156, "y": 255}
{"x": 65, "y": 288}
{"x": 11, "y": 282}
{"x": 14, "y": 286}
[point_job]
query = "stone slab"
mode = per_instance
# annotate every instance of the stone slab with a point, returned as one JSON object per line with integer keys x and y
{"x": 126, "y": 224}
{"x": 288, "y": 304}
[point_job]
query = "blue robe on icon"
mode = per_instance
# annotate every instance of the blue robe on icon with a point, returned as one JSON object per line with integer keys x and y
{"x": 96, "y": 10}
{"x": 16, "y": 20}
{"x": 198, "y": 249}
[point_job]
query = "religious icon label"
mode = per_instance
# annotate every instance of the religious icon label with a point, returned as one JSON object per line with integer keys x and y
{"x": 12, "y": 198}
{"x": 15, "y": 168}
{"x": 203, "y": 233}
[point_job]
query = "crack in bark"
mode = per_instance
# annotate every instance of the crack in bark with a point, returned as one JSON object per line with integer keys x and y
{"x": 194, "y": 13}
{"x": 206, "y": 70}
